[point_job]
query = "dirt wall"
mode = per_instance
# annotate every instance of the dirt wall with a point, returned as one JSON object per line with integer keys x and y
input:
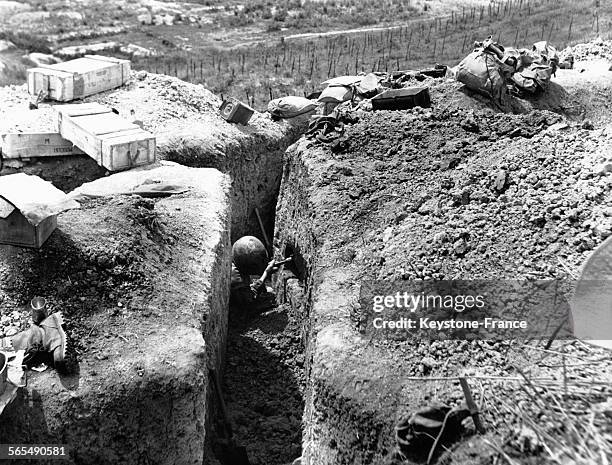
{"x": 144, "y": 286}
{"x": 448, "y": 193}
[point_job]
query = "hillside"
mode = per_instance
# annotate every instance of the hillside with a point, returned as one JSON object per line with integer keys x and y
{"x": 265, "y": 49}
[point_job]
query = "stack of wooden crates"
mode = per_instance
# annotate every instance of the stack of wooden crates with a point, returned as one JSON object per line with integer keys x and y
{"x": 64, "y": 130}
{"x": 113, "y": 142}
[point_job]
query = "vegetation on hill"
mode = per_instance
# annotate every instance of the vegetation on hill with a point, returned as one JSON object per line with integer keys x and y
{"x": 258, "y": 72}
{"x": 262, "y": 49}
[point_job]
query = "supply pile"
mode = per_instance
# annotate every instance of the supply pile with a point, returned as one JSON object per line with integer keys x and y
{"x": 113, "y": 142}
{"x": 496, "y": 71}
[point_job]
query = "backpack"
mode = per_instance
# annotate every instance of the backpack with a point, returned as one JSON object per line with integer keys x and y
{"x": 481, "y": 72}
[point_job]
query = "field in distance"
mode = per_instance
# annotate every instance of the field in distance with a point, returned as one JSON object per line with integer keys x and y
{"x": 267, "y": 48}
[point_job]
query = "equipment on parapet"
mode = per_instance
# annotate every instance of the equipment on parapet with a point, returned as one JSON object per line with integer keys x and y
{"x": 290, "y": 106}
{"x": 492, "y": 70}
{"x": 28, "y": 209}
{"x": 429, "y": 430}
{"x": 326, "y": 128}
{"x": 249, "y": 255}
{"x": 402, "y": 99}
{"x": 236, "y": 112}
{"x": 33, "y": 134}
{"x": 46, "y": 339}
{"x": 76, "y": 129}
{"x": 39, "y": 309}
{"x": 78, "y": 78}
{"x": 113, "y": 142}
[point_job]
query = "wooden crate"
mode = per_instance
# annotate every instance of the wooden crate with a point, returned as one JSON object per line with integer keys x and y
{"x": 33, "y": 134}
{"x": 112, "y": 141}
{"x": 33, "y": 145}
{"x": 78, "y": 78}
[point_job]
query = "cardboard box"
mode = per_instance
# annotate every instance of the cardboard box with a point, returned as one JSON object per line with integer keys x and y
{"x": 115, "y": 143}
{"x": 78, "y": 78}
{"x": 28, "y": 209}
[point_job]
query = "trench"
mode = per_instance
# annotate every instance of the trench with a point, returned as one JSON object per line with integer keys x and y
{"x": 264, "y": 375}
{"x": 263, "y": 380}
{"x": 263, "y": 362}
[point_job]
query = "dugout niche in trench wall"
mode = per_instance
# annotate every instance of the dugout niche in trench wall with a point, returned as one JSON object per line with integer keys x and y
{"x": 297, "y": 267}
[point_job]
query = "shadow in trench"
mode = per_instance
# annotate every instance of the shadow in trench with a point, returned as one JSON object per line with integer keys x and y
{"x": 263, "y": 385}
{"x": 24, "y": 422}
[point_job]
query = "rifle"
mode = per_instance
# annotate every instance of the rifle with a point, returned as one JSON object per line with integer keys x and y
{"x": 258, "y": 285}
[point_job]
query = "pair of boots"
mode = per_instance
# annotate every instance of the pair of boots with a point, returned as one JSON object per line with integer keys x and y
{"x": 48, "y": 336}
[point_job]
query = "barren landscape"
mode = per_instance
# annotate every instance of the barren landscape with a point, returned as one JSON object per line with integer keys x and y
{"x": 465, "y": 188}
{"x": 263, "y": 50}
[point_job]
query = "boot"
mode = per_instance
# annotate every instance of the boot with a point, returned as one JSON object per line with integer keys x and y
{"x": 48, "y": 337}
{"x": 54, "y": 337}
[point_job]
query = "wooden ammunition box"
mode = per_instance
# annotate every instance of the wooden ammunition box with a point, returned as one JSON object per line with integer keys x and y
{"x": 33, "y": 134}
{"x": 32, "y": 145}
{"x": 115, "y": 143}
{"x": 78, "y": 78}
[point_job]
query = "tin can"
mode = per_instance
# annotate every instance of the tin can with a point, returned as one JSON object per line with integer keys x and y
{"x": 39, "y": 309}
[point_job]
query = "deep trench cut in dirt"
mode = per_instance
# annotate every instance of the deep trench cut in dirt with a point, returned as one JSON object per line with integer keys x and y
{"x": 232, "y": 170}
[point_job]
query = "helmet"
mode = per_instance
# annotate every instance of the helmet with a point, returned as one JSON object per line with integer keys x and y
{"x": 249, "y": 255}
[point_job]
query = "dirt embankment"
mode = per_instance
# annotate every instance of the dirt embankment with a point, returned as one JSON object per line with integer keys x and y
{"x": 143, "y": 285}
{"x": 456, "y": 192}
{"x": 145, "y": 267}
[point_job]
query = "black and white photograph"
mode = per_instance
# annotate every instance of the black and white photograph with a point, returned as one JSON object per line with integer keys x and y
{"x": 306, "y": 232}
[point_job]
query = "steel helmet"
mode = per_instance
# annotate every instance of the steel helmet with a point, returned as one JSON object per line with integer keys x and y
{"x": 249, "y": 255}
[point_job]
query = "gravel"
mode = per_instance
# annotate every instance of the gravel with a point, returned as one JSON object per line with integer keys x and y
{"x": 596, "y": 49}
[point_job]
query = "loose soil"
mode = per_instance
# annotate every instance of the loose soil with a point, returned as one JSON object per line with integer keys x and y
{"x": 459, "y": 191}
{"x": 264, "y": 383}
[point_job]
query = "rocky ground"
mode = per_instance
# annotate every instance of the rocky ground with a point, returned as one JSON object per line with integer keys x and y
{"x": 143, "y": 287}
{"x": 462, "y": 190}
{"x": 459, "y": 191}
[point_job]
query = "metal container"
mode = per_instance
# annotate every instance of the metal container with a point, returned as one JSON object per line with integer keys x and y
{"x": 39, "y": 309}
{"x": 236, "y": 112}
{"x": 402, "y": 99}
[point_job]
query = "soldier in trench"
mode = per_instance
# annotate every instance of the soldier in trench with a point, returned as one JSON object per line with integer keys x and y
{"x": 250, "y": 258}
